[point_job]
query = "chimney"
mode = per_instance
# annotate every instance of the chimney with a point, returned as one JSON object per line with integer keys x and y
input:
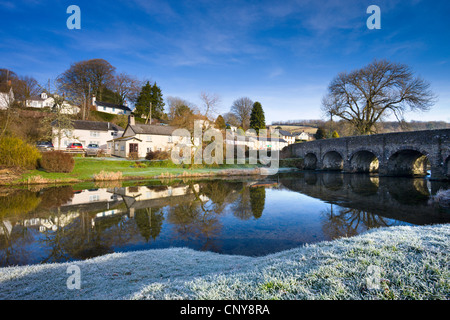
{"x": 131, "y": 120}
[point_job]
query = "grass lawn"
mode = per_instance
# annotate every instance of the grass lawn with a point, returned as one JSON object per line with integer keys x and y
{"x": 85, "y": 168}
{"x": 393, "y": 263}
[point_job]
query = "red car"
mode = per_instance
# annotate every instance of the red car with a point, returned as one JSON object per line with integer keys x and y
{"x": 75, "y": 145}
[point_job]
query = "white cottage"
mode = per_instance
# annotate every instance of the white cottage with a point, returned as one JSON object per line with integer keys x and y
{"x": 45, "y": 101}
{"x": 6, "y": 96}
{"x": 143, "y": 138}
{"x": 110, "y": 107}
{"x": 87, "y": 132}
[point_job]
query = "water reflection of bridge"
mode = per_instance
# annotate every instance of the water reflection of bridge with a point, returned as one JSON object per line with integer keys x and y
{"x": 404, "y": 199}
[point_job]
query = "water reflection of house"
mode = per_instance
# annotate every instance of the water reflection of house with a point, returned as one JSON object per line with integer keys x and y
{"x": 155, "y": 196}
{"x": 51, "y": 223}
{"x": 90, "y": 195}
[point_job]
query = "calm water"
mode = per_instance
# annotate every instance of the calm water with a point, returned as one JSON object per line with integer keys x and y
{"x": 235, "y": 216}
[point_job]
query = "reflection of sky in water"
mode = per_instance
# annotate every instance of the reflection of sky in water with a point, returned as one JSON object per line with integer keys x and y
{"x": 235, "y": 217}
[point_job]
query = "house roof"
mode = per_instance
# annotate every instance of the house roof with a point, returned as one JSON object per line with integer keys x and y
{"x": 112, "y": 105}
{"x": 38, "y": 98}
{"x": 95, "y": 125}
{"x": 272, "y": 139}
{"x": 126, "y": 138}
{"x": 285, "y": 133}
{"x": 152, "y": 129}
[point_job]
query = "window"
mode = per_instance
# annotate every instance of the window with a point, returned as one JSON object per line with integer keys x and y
{"x": 149, "y": 138}
{"x": 117, "y": 147}
{"x": 104, "y": 108}
{"x": 94, "y": 197}
{"x": 170, "y": 139}
{"x": 95, "y": 134}
{"x": 114, "y": 109}
{"x": 122, "y": 148}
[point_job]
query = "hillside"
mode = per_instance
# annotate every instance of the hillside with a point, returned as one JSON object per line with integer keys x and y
{"x": 343, "y": 128}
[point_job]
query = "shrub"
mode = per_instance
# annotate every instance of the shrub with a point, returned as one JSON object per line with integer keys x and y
{"x": 157, "y": 155}
{"x": 57, "y": 161}
{"x": 15, "y": 152}
{"x": 108, "y": 176}
{"x": 133, "y": 155}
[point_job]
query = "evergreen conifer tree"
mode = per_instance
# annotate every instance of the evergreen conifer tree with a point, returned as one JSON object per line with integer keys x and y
{"x": 257, "y": 118}
{"x": 150, "y": 94}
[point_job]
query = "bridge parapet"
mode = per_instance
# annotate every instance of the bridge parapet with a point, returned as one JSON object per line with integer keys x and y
{"x": 400, "y": 153}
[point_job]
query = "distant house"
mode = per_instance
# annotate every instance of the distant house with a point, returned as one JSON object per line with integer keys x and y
{"x": 287, "y": 136}
{"x": 303, "y": 136}
{"x": 274, "y": 144}
{"x": 45, "y": 101}
{"x": 257, "y": 143}
{"x": 110, "y": 107}
{"x": 6, "y": 95}
{"x": 87, "y": 132}
{"x": 143, "y": 138}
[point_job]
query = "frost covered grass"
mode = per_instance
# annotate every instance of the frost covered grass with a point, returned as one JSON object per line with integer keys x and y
{"x": 412, "y": 263}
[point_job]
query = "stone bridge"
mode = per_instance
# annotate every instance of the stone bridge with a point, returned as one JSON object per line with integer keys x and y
{"x": 411, "y": 153}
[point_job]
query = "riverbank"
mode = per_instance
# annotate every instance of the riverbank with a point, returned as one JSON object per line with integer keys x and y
{"x": 387, "y": 263}
{"x": 101, "y": 169}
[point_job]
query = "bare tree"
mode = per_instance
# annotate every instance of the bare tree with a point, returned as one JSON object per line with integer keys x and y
{"x": 85, "y": 78}
{"x": 25, "y": 87}
{"x": 210, "y": 104}
{"x": 231, "y": 119}
{"x": 242, "y": 109}
{"x": 365, "y": 96}
{"x": 178, "y": 106}
{"x": 126, "y": 86}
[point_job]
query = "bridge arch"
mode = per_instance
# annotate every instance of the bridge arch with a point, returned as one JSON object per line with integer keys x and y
{"x": 408, "y": 162}
{"x": 364, "y": 161}
{"x": 447, "y": 167}
{"x": 333, "y": 160}
{"x": 310, "y": 161}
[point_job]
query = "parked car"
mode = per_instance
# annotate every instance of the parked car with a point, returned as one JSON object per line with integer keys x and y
{"x": 44, "y": 146}
{"x": 75, "y": 145}
{"x": 92, "y": 149}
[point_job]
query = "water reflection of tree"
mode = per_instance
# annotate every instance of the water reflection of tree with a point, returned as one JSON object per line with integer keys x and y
{"x": 149, "y": 222}
{"x": 195, "y": 220}
{"x": 219, "y": 193}
{"x": 250, "y": 203}
{"x": 346, "y": 222}
{"x": 55, "y": 197}
{"x": 15, "y": 207}
{"x": 257, "y": 201}
{"x": 241, "y": 207}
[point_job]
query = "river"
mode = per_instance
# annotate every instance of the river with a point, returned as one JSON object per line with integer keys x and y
{"x": 238, "y": 216}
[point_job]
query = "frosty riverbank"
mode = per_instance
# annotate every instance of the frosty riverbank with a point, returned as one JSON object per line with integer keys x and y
{"x": 411, "y": 263}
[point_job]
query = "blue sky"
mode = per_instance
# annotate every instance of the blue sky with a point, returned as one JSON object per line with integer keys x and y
{"x": 281, "y": 53}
